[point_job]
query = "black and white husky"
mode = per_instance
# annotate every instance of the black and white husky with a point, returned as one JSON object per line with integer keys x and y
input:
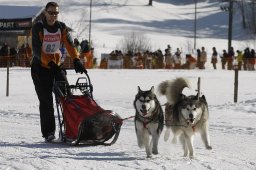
{"x": 149, "y": 120}
{"x": 185, "y": 115}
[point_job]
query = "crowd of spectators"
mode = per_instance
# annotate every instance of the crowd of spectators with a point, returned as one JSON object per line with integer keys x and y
{"x": 178, "y": 60}
{"x": 15, "y": 57}
{"x": 245, "y": 59}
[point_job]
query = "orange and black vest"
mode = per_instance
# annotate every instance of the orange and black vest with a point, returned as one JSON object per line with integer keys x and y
{"x": 47, "y": 40}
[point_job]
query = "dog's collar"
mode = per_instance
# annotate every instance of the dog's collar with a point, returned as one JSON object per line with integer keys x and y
{"x": 144, "y": 119}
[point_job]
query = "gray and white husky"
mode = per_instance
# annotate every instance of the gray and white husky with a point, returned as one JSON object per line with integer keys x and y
{"x": 149, "y": 120}
{"x": 185, "y": 115}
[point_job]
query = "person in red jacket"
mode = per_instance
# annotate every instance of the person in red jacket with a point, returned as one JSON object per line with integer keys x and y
{"x": 47, "y": 37}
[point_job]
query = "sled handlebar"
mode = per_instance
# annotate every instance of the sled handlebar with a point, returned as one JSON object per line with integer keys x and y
{"x": 88, "y": 81}
{"x": 84, "y": 86}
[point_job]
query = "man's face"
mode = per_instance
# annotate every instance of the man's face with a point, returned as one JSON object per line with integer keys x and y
{"x": 51, "y": 14}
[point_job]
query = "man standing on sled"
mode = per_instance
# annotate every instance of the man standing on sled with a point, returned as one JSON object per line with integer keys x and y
{"x": 47, "y": 37}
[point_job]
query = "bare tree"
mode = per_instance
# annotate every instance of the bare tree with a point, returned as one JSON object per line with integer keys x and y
{"x": 248, "y": 9}
{"x": 135, "y": 42}
{"x": 253, "y": 15}
{"x": 80, "y": 27}
{"x": 241, "y": 6}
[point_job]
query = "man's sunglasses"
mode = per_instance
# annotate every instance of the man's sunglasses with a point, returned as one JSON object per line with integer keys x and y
{"x": 52, "y": 13}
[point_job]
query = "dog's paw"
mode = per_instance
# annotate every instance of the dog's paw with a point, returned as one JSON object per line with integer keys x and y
{"x": 166, "y": 135}
{"x": 155, "y": 152}
{"x": 209, "y": 147}
{"x": 149, "y": 156}
{"x": 185, "y": 155}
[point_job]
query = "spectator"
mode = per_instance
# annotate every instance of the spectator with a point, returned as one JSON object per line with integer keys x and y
{"x": 160, "y": 59}
{"x": 22, "y": 56}
{"x": 214, "y": 58}
{"x": 203, "y": 58}
{"x": 224, "y": 59}
{"x": 28, "y": 50}
{"x": 104, "y": 63}
{"x": 239, "y": 59}
{"x": 13, "y": 56}
{"x": 86, "y": 54}
{"x": 230, "y": 58}
{"x": 190, "y": 62}
{"x": 77, "y": 45}
{"x": 168, "y": 59}
{"x": 5, "y": 50}
{"x": 198, "y": 51}
{"x": 252, "y": 60}
{"x": 127, "y": 60}
{"x": 150, "y": 60}
{"x": 168, "y": 50}
{"x": 177, "y": 59}
{"x": 246, "y": 58}
{"x": 139, "y": 61}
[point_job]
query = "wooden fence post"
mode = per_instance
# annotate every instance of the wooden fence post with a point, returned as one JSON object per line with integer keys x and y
{"x": 198, "y": 88}
{"x": 235, "y": 64}
{"x": 7, "y": 78}
{"x": 236, "y": 86}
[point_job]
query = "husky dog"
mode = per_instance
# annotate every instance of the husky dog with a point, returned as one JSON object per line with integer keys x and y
{"x": 185, "y": 115}
{"x": 149, "y": 120}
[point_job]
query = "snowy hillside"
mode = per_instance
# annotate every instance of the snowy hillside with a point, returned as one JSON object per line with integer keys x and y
{"x": 166, "y": 22}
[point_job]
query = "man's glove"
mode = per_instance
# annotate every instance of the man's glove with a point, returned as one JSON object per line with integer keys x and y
{"x": 55, "y": 69}
{"x": 79, "y": 68}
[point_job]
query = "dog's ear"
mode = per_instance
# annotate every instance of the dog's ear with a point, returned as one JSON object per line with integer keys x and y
{"x": 139, "y": 90}
{"x": 198, "y": 95}
{"x": 182, "y": 97}
{"x": 152, "y": 89}
{"x": 203, "y": 98}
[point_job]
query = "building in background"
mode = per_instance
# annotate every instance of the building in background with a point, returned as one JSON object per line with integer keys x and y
{"x": 16, "y": 23}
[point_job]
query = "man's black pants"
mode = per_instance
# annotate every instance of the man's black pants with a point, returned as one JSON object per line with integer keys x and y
{"x": 43, "y": 80}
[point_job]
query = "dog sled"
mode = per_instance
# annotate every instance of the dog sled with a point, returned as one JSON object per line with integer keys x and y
{"x": 81, "y": 119}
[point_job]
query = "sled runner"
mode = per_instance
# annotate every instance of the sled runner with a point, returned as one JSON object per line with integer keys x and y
{"x": 81, "y": 119}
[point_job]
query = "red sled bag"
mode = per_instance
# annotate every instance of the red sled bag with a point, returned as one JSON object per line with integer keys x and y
{"x": 84, "y": 121}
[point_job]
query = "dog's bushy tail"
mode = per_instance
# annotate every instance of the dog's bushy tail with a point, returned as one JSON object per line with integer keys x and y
{"x": 172, "y": 89}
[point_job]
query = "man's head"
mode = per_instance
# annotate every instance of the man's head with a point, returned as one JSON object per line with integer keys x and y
{"x": 51, "y": 12}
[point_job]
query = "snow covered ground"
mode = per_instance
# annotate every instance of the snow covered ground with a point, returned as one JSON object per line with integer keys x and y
{"x": 232, "y": 126}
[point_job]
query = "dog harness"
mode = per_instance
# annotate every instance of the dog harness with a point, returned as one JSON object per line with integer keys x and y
{"x": 147, "y": 120}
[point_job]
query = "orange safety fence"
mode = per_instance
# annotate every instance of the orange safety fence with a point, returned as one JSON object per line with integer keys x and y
{"x": 15, "y": 60}
{"x": 22, "y": 60}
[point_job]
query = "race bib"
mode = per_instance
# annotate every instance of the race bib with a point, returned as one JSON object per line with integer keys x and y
{"x": 51, "y": 42}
